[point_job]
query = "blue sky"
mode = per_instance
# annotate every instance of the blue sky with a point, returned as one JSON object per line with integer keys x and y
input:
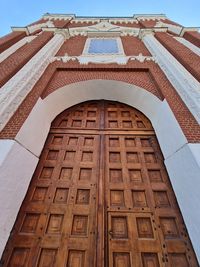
{"x": 21, "y": 12}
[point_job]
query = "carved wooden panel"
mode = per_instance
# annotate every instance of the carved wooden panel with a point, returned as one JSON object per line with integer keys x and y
{"x": 100, "y": 196}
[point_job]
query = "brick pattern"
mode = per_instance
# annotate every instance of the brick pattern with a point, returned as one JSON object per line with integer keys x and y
{"x": 73, "y": 47}
{"x": 148, "y": 23}
{"x": 10, "y": 39}
{"x": 11, "y": 65}
{"x": 38, "y": 22}
{"x": 183, "y": 54}
{"x": 134, "y": 46}
{"x": 193, "y": 37}
{"x": 170, "y": 22}
{"x": 60, "y": 23}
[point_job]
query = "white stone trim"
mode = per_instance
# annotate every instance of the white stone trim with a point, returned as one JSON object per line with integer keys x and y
{"x": 58, "y": 16}
{"x": 35, "y": 27}
{"x": 171, "y": 27}
{"x": 189, "y": 29}
{"x": 16, "y": 170}
{"x": 103, "y": 27}
{"x": 147, "y": 17}
{"x": 16, "y": 46}
{"x": 117, "y": 39}
{"x": 16, "y": 89}
{"x": 121, "y": 60}
{"x": 185, "y": 84}
{"x": 189, "y": 45}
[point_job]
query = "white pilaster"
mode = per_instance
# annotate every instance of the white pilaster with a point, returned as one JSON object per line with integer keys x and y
{"x": 16, "y": 89}
{"x": 185, "y": 84}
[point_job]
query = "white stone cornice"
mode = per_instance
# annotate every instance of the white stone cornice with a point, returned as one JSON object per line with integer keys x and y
{"x": 123, "y": 20}
{"x": 33, "y": 28}
{"x": 20, "y": 29}
{"x": 16, "y": 89}
{"x": 184, "y": 83}
{"x": 171, "y": 27}
{"x": 58, "y": 16}
{"x": 189, "y": 29}
{"x": 147, "y": 17}
{"x": 16, "y": 46}
{"x": 189, "y": 45}
{"x": 102, "y": 28}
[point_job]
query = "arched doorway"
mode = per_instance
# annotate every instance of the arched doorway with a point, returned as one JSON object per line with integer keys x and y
{"x": 100, "y": 196}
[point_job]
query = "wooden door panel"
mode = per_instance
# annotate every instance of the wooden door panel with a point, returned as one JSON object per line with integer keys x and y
{"x": 100, "y": 196}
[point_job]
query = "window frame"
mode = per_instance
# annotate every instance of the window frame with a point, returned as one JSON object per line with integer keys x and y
{"x": 119, "y": 46}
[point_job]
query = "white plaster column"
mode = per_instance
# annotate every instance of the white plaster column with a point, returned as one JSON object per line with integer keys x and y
{"x": 185, "y": 84}
{"x": 16, "y": 89}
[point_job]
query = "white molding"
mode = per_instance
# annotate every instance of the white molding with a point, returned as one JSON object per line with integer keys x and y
{"x": 189, "y": 45}
{"x": 14, "y": 47}
{"x": 35, "y": 27}
{"x": 103, "y": 59}
{"x": 148, "y": 17}
{"x": 185, "y": 84}
{"x": 58, "y": 16}
{"x": 103, "y": 27}
{"x": 189, "y": 29}
{"x": 117, "y": 39}
{"x": 171, "y": 27}
{"x": 16, "y": 89}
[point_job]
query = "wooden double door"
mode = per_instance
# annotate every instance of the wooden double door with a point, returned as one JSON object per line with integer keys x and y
{"x": 100, "y": 196}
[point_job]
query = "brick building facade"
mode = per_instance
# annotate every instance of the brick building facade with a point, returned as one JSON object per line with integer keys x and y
{"x": 147, "y": 62}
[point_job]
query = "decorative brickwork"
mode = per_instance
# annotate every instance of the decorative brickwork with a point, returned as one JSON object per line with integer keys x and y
{"x": 17, "y": 60}
{"x": 183, "y": 54}
{"x": 193, "y": 37}
{"x": 10, "y": 39}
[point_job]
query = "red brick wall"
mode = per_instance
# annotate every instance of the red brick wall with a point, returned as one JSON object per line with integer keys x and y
{"x": 148, "y": 23}
{"x": 60, "y": 23}
{"x": 10, "y": 39}
{"x": 11, "y": 65}
{"x": 183, "y": 54}
{"x": 193, "y": 37}
{"x": 147, "y": 75}
{"x": 134, "y": 46}
{"x": 73, "y": 47}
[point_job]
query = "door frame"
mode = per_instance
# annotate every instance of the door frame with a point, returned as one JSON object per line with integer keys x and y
{"x": 181, "y": 159}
